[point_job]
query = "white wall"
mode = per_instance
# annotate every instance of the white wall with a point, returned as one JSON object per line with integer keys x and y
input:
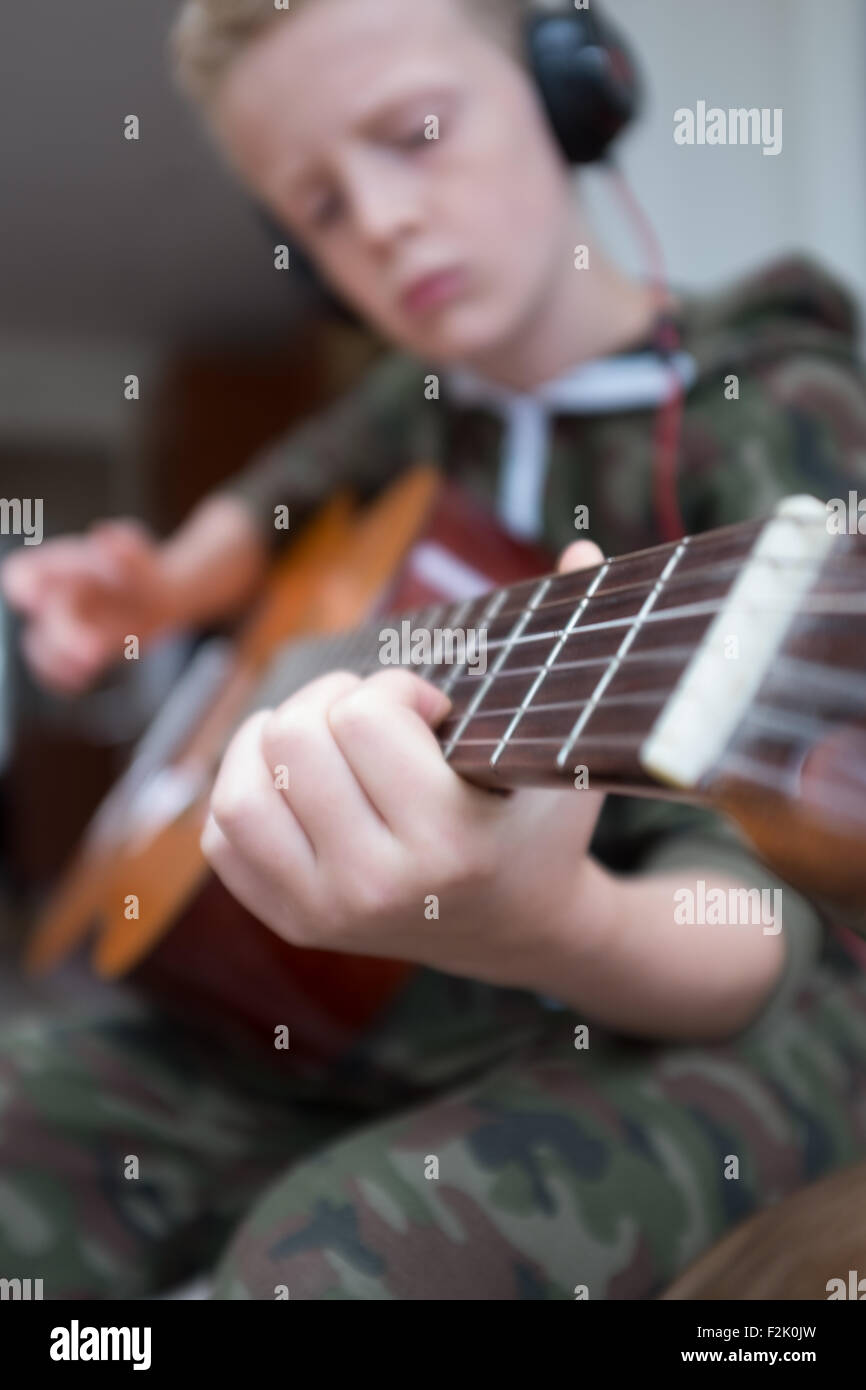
{"x": 720, "y": 210}
{"x": 154, "y": 241}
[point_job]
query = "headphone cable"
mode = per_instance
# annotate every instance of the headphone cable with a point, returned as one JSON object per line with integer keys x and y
{"x": 666, "y": 339}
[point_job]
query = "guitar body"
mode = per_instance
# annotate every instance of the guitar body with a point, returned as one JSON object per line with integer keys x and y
{"x": 140, "y": 893}
{"x": 624, "y": 666}
{"x": 808, "y": 1246}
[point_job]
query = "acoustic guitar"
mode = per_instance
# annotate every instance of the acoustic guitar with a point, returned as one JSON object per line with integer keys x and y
{"x": 811, "y": 1245}
{"x": 727, "y": 669}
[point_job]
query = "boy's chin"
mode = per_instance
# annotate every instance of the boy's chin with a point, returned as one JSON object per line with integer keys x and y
{"x": 457, "y": 337}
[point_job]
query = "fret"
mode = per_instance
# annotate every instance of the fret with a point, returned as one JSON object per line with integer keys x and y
{"x": 428, "y": 618}
{"x": 455, "y": 619}
{"x": 563, "y": 676}
{"x": 546, "y": 668}
{"x": 435, "y": 615}
{"x": 491, "y": 608}
{"x": 523, "y": 618}
{"x": 686, "y": 613}
{"x": 624, "y": 741}
{"x": 635, "y": 576}
{"x": 652, "y": 598}
{"x": 588, "y": 658}
{"x": 451, "y": 615}
{"x": 636, "y": 698}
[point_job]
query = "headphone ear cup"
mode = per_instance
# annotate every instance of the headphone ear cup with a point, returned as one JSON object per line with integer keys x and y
{"x": 587, "y": 80}
{"x": 304, "y": 274}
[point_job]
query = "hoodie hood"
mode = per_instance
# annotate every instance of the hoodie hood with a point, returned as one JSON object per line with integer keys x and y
{"x": 792, "y": 305}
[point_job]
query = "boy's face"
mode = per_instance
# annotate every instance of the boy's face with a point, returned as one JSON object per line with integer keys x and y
{"x": 324, "y": 118}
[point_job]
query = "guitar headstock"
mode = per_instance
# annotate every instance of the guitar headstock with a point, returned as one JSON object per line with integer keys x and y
{"x": 817, "y": 846}
{"x": 790, "y": 766}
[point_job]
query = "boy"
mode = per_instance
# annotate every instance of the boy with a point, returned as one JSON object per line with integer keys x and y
{"x": 550, "y": 1169}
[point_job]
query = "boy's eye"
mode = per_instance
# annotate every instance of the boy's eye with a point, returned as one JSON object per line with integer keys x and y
{"x": 326, "y": 211}
{"x": 416, "y": 138}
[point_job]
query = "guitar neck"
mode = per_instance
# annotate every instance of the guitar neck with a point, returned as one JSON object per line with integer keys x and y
{"x": 573, "y": 677}
{"x": 581, "y": 666}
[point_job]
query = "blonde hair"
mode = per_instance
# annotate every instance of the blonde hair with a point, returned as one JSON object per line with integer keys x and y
{"x": 208, "y": 35}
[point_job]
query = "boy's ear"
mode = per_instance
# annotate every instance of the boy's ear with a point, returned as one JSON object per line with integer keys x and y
{"x": 305, "y": 278}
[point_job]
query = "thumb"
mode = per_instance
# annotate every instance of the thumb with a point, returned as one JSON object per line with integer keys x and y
{"x": 581, "y": 555}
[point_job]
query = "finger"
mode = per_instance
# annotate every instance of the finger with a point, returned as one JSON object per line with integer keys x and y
{"x": 65, "y": 669}
{"x": 77, "y": 639}
{"x": 20, "y": 581}
{"x": 121, "y": 531}
{"x": 580, "y": 555}
{"x": 126, "y": 546}
{"x": 70, "y": 639}
{"x": 245, "y": 882}
{"x": 385, "y": 729}
{"x": 30, "y": 580}
{"x": 255, "y": 817}
{"x": 63, "y": 573}
{"x": 323, "y": 791}
{"x": 75, "y": 561}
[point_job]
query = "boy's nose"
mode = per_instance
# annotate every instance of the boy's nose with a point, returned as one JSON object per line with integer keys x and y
{"x": 385, "y": 202}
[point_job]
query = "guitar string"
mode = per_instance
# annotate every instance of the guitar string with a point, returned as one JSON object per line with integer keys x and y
{"x": 781, "y": 726}
{"x": 758, "y": 772}
{"x": 443, "y": 616}
{"x": 559, "y": 583}
{"x": 848, "y": 565}
{"x": 840, "y": 683}
{"x": 745, "y": 531}
{"x": 821, "y": 605}
{"x": 776, "y": 718}
{"x": 824, "y": 605}
{"x": 830, "y": 795}
{"x": 840, "y": 568}
{"x": 782, "y": 722}
{"x": 785, "y": 780}
{"x": 336, "y": 648}
{"x": 844, "y": 681}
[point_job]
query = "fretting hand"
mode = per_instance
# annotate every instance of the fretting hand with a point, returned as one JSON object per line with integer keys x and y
{"x": 374, "y": 828}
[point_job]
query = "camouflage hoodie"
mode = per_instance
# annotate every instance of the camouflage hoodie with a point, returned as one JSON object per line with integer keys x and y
{"x": 793, "y": 421}
{"x": 788, "y": 334}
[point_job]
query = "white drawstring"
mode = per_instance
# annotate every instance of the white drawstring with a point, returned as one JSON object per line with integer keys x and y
{"x": 634, "y": 382}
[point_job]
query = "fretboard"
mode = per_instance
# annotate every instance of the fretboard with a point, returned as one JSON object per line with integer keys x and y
{"x": 569, "y": 674}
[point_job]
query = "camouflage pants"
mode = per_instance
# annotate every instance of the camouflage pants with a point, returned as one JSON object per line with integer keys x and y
{"x": 467, "y": 1149}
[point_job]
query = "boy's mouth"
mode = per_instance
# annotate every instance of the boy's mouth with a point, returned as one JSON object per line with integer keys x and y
{"x": 432, "y": 291}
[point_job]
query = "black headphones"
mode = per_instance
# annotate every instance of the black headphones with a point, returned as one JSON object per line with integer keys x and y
{"x": 588, "y": 84}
